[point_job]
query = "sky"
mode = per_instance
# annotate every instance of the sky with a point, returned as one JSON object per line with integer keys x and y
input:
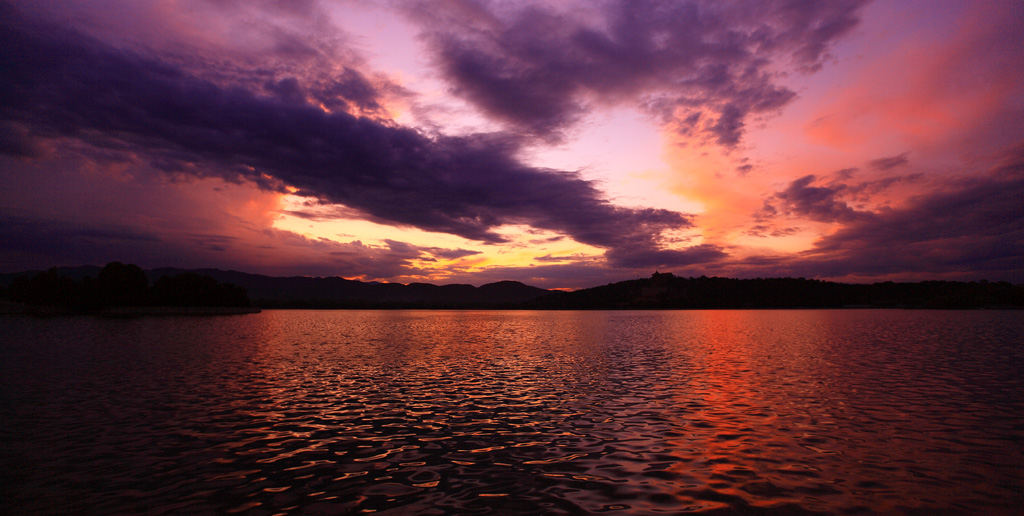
{"x": 564, "y": 144}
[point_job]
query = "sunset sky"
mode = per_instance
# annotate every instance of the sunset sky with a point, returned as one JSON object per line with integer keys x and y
{"x": 564, "y": 144}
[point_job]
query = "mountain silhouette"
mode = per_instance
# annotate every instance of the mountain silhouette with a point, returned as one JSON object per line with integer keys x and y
{"x": 660, "y": 291}
{"x": 335, "y": 292}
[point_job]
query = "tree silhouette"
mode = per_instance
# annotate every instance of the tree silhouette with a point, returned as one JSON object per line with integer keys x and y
{"x": 191, "y": 289}
{"x": 47, "y": 288}
{"x": 122, "y": 285}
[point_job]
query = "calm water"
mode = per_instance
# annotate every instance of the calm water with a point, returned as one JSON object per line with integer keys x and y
{"x": 427, "y": 412}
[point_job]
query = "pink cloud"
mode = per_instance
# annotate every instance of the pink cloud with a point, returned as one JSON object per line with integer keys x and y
{"x": 934, "y": 89}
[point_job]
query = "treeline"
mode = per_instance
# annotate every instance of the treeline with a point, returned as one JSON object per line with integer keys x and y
{"x": 123, "y": 285}
{"x": 666, "y": 291}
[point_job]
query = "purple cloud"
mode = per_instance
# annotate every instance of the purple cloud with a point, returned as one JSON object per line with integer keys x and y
{"x": 428, "y": 253}
{"x": 703, "y": 68}
{"x": 972, "y": 229}
{"x": 648, "y": 258}
{"x": 886, "y": 164}
{"x": 765, "y": 231}
{"x": 820, "y": 203}
{"x": 864, "y": 190}
{"x": 807, "y": 197}
{"x": 59, "y": 84}
{"x": 846, "y": 173}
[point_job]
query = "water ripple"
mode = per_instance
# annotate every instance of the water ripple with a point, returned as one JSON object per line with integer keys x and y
{"x": 731, "y": 412}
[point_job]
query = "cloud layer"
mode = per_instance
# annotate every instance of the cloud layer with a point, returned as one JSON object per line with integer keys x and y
{"x": 842, "y": 140}
{"x": 971, "y": 227}
{"x": 61, "y": 84}
{"x": 702, "y": 68}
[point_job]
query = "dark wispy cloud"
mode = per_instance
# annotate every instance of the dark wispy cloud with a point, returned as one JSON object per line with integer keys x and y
{"x": 43, "y": 237}
{"x": 889, "y": 163}
{"x": 865, "y": 191}
{"x": 820, "y": 203}
{"x": 559, "y": 259}
{"x": 765, "y": 231}
{"x": 827, "y": 199}
{"x": 648, "y": 258}
{"x": 428, "y": 253}
{"x": 60, "y": 84}
{"x": 702, "y": 68}
{"x": 846, "y": 173}
{"x": 323, "y": 257}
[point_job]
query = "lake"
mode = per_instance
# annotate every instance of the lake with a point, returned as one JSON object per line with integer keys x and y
{"x": 509, "y": 412}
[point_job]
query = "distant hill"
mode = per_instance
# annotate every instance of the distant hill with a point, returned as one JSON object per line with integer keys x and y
{"x": 666, "y": 291}
{"x": 660, "y": 291}
{"x": 74, "y": 273}
{"x": 335, "y": 292}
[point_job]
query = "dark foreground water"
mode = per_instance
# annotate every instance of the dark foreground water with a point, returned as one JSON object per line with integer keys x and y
{"x": 438, "y": 412}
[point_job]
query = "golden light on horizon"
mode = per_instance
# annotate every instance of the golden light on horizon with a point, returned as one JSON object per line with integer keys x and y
{"x": 438, "y": 254}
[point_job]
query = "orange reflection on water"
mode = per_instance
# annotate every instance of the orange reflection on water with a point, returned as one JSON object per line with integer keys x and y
{"x": 739, "y": 444}
{"x": 785, "y": 411}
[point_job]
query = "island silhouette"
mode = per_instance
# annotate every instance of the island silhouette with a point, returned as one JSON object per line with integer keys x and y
{"x": 127, "y": 288}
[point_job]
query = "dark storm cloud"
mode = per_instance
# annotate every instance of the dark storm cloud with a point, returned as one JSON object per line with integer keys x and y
{"x": 288, "y": 49}
{"x": 701, "y": 67}
{"x": 349, "y": 91}
{"x": 59, "y": 84}
{"x": 352, "y": 87}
